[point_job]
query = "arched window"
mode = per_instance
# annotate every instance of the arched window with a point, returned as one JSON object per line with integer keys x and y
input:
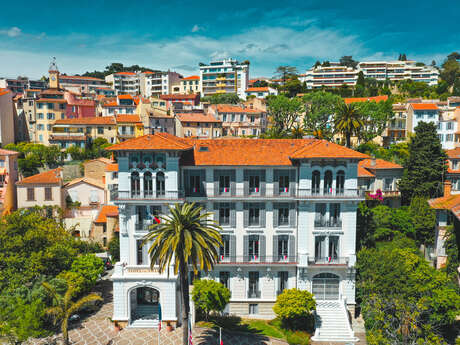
{"x": 325, "y": 286}
{"x": 328, "y": 182}
{"x": 148, "y": 185}
{"x": 340, "y": 182}
{"x": 160, "y": 184}
{"x": 315, "y": 182}
{"x": 135, "y": 184}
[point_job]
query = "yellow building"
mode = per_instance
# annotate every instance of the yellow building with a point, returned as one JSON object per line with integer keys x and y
{"x": 128, "y": 127}
{"x": 198, "y": 125}
{"x": 79, "y": 132}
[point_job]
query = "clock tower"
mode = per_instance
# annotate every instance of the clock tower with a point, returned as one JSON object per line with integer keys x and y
{"x": 54, "y": 75}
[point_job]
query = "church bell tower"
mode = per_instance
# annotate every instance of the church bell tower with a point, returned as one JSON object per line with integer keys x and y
{"x": 54, "y": 75}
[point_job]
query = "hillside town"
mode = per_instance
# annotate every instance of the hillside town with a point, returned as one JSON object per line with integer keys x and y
{"x": 325, "y": 203}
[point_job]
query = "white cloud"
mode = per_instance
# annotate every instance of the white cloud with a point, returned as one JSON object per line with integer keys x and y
{"x": 11, "y": 32}
{"x": 196, "y": 28}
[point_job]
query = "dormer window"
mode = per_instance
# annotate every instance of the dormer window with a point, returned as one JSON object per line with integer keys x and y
{"x": 204, "y": 149}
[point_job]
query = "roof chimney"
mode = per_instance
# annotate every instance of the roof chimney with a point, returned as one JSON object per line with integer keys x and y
{"x": 447, "y": 188}
{"x": 373, "y": 161}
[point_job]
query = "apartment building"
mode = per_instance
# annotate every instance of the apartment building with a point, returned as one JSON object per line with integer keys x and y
{"x": 160, "y": 121}
{"x": 21, "y": 84}
{"x": 396, "y": 130}
{"x": 81, "y": 85}
{"x": 29, "y": 109}
{"x": 81, "y": 131}
{"x": 198, "y": 125}
{"x": 7, "y": 117}
{"x": 121, "y": 104}
{"x": 128, "y": 127}
{"x": 453, "y": 169}
{"x": 187, "y": 85}
{"x": 154, "y": 84}
{"x": 79, "y": 107}
{"x": 332, "y": 76}
{"x": 50, "y": 106}
{"x": 224, "y": 76}
{"x": 124, "y": 83}
{"x": 239, "y": 120}
{"x": 261, "y": 92}
{"x": 287, "y": 210}
{"x": 179, "y": 101}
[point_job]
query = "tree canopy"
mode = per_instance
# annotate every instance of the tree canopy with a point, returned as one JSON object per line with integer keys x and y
{"x": 223, "y": 98}
{"x": 319, "y": 111}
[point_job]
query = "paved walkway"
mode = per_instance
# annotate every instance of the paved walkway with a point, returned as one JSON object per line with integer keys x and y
{"x": 98, "y": 330}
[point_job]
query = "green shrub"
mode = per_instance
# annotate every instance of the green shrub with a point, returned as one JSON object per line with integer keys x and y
{"x": 294, "y": 307}
{"x": 90, "y": 268}
{"x": 209, "y": 295}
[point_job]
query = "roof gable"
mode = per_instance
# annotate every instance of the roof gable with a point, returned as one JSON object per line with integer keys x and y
{"x": 46, "y": 177}
{"x": 157, "y": 141}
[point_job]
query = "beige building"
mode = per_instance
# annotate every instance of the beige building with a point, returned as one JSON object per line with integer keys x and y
{"x": 7, "y": 115}
{"x": 105, "y": 225}
{"x": 187, "y": 85}
{"x": 44, "y": 189}
{"x": 198, "y": 125}
{"x": 239, "y": 120}
{"x": 95, "y": 168}
{"x": 90, "y": 193}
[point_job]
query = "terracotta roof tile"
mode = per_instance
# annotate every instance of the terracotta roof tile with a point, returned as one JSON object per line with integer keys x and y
{"x": 363, "y": 172}
{"x": 125, "y": 73}
{"x": 125, "y": 97}
{"x": 128, "y": 118}
{"x": 424, "y": 106}
{"x": 192, "y": 77}
{"x": 4, "y": 91}
{"x": 99, "y": 120}
{"x": 326, "y": 149}
{"x": 112, "y": 167}
{"x": 197, "y": 117}
{"x": 106, "y": 211}
{"x": 454, "y": 153}
{"x": 46, "y": 177}
{"x": 257, "y": 89}
{"x": 365, "y": 99}
{"x": 379, "y": 164}
{"x": 157, "y": 141}
{"x": 445, "y": 202}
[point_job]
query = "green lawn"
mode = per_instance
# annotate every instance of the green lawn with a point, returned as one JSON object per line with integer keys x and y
{"x": 270, "y": 328}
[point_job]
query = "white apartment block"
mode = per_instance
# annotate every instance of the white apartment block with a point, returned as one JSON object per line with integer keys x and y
{"x": 124, "y": 83}
{"x": 154, "y": 84}
{"x": 224, "y": 76}
{"x": 287, "y": 209}
{"x": 337, "y": 75}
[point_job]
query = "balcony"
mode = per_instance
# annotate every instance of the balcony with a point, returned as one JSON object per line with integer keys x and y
{"x": 144, "y": 225}
{"x": 256, "y": 259}
{"x": 328, "y": 260}
{"x": 253, "y": 293}
{"x": 328, "y": 223}
{"x": 136, "y": 195}
{"x": 330, "y": 193}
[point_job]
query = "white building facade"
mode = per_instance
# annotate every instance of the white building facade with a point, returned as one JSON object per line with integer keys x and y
{"x": 154, "y": 84}
{"x": 124, "y": 83}
{"x": 287, "y": 209}
{"x": 224, "y": 76}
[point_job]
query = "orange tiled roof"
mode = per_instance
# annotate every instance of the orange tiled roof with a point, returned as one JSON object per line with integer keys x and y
{"x": 424, "y": 106}
{"x": 326, "y": 149}
{"x": 106, "y": 211}
{"x": 126, "y": 73}
{"x": 4, "y": 152}
{"x": 365, "y": 99}
{"x": 445, "y": 202}
{"x": 363, "y": 172}
{"x": 454, "y": 153}
{"x": 99, "y": 120}
{"x": 179, "y": 96}
{"x": 61, "y": 77}
{"x": 125, "y": 97}
{"x": 128, "y": 118}
{"x": 112, "y": 167}
{"x": 379, "y": 164}
{"x": 226, "y": 108}
{"x": 157, "y": 141}
{"x": 87, "y": 180}
{"x": 196, "y": 117}
{"x": 4, "y": 91}
{"x": 257, "y": 89}
{"x": 192, "y": 77}
{"x": 47, "y": 177}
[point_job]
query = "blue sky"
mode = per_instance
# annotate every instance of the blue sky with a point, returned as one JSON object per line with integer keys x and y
{"x": 177, "y": 35}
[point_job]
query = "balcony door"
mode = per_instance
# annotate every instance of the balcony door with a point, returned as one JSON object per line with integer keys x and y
{"x": 325, "y": 286}
{"x": 160, "y": 184}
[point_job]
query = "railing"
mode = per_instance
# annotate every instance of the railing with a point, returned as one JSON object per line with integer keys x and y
{"x": 256, "y": 259}
{"x": 328, "y": 223}
{"x": 328, "y": 260}
{"x": 144, "y": 225}
{"x": 124, "y": 195}
{"x": 253, "y": 293}
{"x": 330, "y": 192}
{"x": 140, "y": 269}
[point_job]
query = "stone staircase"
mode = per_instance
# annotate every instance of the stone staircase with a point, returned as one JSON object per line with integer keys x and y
{"x": 332, "y": 322}
{"x": 145, "y": 316}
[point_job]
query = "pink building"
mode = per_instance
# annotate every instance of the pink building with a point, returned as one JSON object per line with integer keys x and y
{"x": 78, "y": 108}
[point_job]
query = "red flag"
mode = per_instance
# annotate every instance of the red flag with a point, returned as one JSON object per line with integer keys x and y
{"x": 159, "y": 326}
{"x": 157, "y": 219}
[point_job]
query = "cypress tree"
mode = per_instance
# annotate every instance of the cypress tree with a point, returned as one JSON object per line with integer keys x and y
{"x": 425, "y": 167}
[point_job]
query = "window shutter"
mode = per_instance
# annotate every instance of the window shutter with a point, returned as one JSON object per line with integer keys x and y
{"x": 262, "y": 248}
{"x": 246, "y": 182}
{"x": 216, "y": 212}
{"x": 187, "y": 186}
{"x": 233, "y": 247}
{"x": 292, "y": 215}
{"x": 262, "y": 182}
{"x": 232, "y": 187}
{"x": 275, "y": 215}
{"x": 292, "y": 253}
{"x": 276, "y": 183}
{"x": 246, "y": 248}
{"x": 216, "y": 182}
{"x": 292, "y": 182}
{"x": 203, "y": 182}
{"x": 232, "y": 215}
{"x": 275, "y": 248}
{"x": 262, "y": 215}
{"x": 246, "y": 215}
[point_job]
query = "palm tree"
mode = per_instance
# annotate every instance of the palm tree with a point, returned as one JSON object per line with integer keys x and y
{"x": 185, "y": 237}
{"x": 64, "y": 307}
{"x": 348, "y": 121}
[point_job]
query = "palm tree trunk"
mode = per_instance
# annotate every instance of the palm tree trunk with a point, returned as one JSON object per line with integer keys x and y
{"x": 183, "y": 273}
{"x": 348, "y": 138}
{"x": 65, "y": 331}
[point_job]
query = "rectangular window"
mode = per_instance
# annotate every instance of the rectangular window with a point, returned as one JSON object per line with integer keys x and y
{"x": 40, "y": 116}
{"x": 254, "y": 215}
{"x": 100, "y": 130}
{"x": 139, "y": 251}
{"x": 320, "y": 214}
{"x": 283, "y": 247}
{"x": 224, "y": 184}
{"x": 284, "y": 184}
{"x": 253, "y": 118}
{"x": 253, "y": 247}
{"x": 195, "y": 184}
{"x": 253, "y": 309}
{"x": 282, "y": 281}
{"x": 388, "y": 184}
{"x": 30, "y": 194}
{"x": 48, "y": 194}
{"x": 224, "y": 214}
{"x": 450, "y": 125}
{"x": 224, "y": 279}
{"x": 224, "y": 250}
{"x": 283, "y": 216}
{"x": 50, "y": 116}
{"x": 253, "y": 291}
{"x": 50, "y": 106}
{"x": 254, "y": 184}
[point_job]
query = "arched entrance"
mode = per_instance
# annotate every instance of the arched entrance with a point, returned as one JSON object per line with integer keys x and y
{"x": 325, "y": 286}
{"x": 145, "y": 306}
